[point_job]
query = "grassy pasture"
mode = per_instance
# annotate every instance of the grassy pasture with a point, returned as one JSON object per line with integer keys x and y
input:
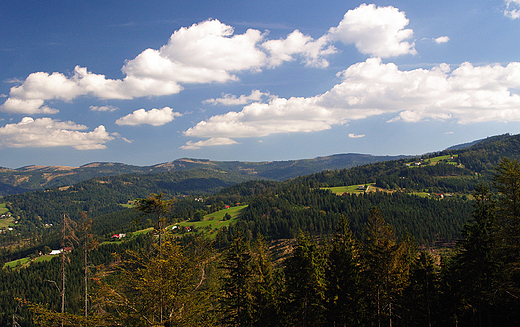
{"x": 212, "y": 221}
{"x": 436, "y": 160}
{"x": 6, "y": 222}
{"x": 350, "y": 189}
{"x": 26, "y": 260}
{"x": 215, "y": 220}
{"x": 3, "y": 209}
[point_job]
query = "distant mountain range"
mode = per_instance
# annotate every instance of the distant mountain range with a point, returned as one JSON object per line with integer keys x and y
{"x": 30, "y": 178}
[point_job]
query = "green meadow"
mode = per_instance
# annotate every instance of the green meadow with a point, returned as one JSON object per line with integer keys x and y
{"x": 215, "y": 220}
{"x": 3, "y": 209}
{"x": 24, "y": 261}
{"x": 350, "y": 189}
{"x": 6, "y": 222}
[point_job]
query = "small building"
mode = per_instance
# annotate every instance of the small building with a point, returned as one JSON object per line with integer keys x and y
{"x": 118, "y": 236}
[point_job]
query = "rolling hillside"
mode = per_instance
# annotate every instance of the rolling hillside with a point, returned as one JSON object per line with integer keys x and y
{"x": 14, "y": 181}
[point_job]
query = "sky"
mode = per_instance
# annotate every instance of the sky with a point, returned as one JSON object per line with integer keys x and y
{"x": 148, "y": 82}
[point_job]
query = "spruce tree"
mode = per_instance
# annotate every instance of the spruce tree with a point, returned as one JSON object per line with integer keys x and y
{"x": 343, "y": 280}
{"x": 305, "y": 283}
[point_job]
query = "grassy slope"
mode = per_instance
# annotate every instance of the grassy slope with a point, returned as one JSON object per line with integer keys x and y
{"x": 214, "y": 221}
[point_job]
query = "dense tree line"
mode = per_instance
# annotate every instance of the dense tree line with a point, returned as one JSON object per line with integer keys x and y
{"x": 349, "y": 267}
{"x": 103, "y": 194}
{"x": 36, "y": 282}
{"x": 396, "y": 175}
{"x": 282, "y": 212}
{"x": 369, "y": 275}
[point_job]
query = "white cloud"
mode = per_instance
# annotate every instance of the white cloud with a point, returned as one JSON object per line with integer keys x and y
{"x": 31, "y": 106}
{"x": 190, "y": 145}
{"x": 202, "y": 53}
{"x": 103, "y": 108}
{"x": 262, "y": 119}
{"x": 155, "y": 117}
{"x": 512, "y": 10}
{"x": 442, "y": 39}
{"x": 46, "y": 132}
{"x": 210, "y": 52}
{"x": 232, "y": 100}
{"x": 354, "y": 136}
{"x": 312, "y": 51}
{"x": 211, "y": 45}
{"x": 377, "y": 31}
{"x": 467, "y": 94}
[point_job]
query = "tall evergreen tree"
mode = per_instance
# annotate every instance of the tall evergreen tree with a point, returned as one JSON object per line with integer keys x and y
{"x": 386, "y": 266}
{"x": 237, "y": 289}
{"x": 421, "y": 295}
{"x": 267, "y": 285}
{"x": 507, "y": 235}
{"x": 305, "y": 283}
{"x": 159, "y": 290}
{"x": 343, "y": 280}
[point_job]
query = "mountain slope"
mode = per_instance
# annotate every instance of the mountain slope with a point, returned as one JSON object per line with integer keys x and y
{"x": 13, "y": 181}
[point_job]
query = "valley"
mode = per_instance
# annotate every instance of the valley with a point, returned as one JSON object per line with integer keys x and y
{"x": 415, "y": 205}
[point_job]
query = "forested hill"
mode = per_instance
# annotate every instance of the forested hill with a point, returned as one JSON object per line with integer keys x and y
{"x": 13, "y": 181}
{"x": 109, "y": 195}
{"x": 425, "y": 201}
{"x": 447, "y": 171}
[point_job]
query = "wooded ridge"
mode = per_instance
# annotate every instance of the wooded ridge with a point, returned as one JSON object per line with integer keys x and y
{"x": 13, "y": 181}
{"x": 381, "y": 254}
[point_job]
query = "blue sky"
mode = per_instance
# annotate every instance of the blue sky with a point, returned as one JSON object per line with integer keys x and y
{"x": 149, "y": 82}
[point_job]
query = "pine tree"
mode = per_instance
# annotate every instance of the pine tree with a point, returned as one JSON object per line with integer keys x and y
{"x": 386, "y": 266}
{"x": 343, "y": 280}
{"x": 156, "y": 206}
{"x": 305, "y": 283}
{"x": 237, "y": 289}
{"x": 159, "y": 290}
{"x": 267, "y": 285}
{"x": 421, "y": 295}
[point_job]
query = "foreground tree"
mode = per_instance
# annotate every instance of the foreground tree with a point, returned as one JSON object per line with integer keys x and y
{"x": 420, "y": 297}
{"x": 237, "y": 284}
{"x": 160, "y": 290}
{"x": 385, "y": 273}
{"x": 157, "y": 207}
{"x": 305, "y": 283}
{"x": 343, "y": 279}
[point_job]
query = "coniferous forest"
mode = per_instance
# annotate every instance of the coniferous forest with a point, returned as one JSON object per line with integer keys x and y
{"x": 297, "y": 254}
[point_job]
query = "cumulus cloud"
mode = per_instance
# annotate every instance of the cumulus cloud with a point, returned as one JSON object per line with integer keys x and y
{"x": 354, "y": 136}
{"x": 190, "y": 145}
{"x": 467, "y": 94}
{"x": 262, "y": 119}
{"x": 442, "y": 39}
{"x": 46, "y": 132}
{"x": 155, "y": 117}
{"x": 210, "y": 51}
{"x": 312, "y": 51}
{"x": 512, "y": 10}
{"x": 232, "y": 100}
{"x": 376, "y": 31}
{"x": 103, "y": 108}
{"x": 202, "y": 53}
